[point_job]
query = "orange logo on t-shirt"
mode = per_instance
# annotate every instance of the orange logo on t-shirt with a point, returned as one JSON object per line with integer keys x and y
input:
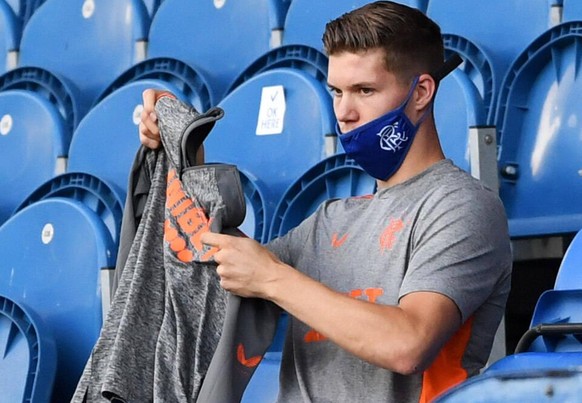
{"x": 337, "y": 242}
{"x": 388, "y": 237}
{"x": 250, "y": 362}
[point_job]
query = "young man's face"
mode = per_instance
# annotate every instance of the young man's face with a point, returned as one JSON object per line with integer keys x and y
{"x": 362, "y": 88}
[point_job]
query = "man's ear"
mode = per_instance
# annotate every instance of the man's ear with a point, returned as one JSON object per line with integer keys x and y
{"x": 425, "y": 91}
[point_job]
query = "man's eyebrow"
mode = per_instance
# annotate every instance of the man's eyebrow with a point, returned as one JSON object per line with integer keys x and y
{"x": 356, "y": 86}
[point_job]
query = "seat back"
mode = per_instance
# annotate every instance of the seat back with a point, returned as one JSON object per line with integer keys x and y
{"x": 53, "y": 252}
{"x": 483, "y": 28}
{"x": 572, "y": 10}
{"x": 274, "y": 128}
{"x": 336, "y": 176}
{"x": 33, "y": 146}
{"x": 29, "y": 357}
{"x": 217, "y": 38}
{"x": 570, "y": 272}
{"x": 188, "y": 83}
{"x": 88, "y": 42}
{"x": 457, "y": 107}
{"x": 306, "y": 19}
{"x": 521, "y": 384}
{"x": 106, "y": 141}
{"x": 538, "y": 120}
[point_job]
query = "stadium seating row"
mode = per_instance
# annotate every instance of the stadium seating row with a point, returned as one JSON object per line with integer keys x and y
{"x": 68, "y": 133}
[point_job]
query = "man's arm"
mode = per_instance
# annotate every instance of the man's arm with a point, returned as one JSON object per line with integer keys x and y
{"x": 404, "y": 338}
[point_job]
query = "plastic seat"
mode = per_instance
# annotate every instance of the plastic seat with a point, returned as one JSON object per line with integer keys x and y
{"x": 484, "y": 30}
{"x": 572, "y": 10}
{"x": 538, "y": 122}
{"x": 94, "y": 192}
{"x": 336, "y": 176}
{"x": 306, "y": 19}
{"x": 33, "y": 144}
{"x": 458, "y": 106}
{"x": 54, "y": 252}
{"x": 299, "y": 103}
{"x": 570, "y": 273}
{"x": 219, "y": 39}
{"x": 256, "y": 224}
{"x": 29, "y": 360}
{"x": 296, "y": 57}
{"x": 166, "y": 73}
{"x": 88, "y": 42}
{"x": 106, "y": 141}
{"x": 515, "y": 386}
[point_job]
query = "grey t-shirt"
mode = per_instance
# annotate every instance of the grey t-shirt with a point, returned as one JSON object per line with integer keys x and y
{"x": 441, "y": 231}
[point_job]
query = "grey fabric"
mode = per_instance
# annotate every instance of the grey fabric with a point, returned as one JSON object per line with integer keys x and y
{"x": 440, "y": 231}
{"x": 167, "y": 313}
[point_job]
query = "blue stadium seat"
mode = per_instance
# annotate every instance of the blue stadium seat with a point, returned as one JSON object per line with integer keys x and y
{"x": 106, "y": 141}
{"x": 335, "y": 176}
{"x": 53, "y": 252}
{"x": 219, "y": 39}
{"x": 166, "y": 73}
{"x": 517, "y": 386}
{"x": 94, "y": 192}
{"x": 10, "y": 31}
{"x": 88, "y": 42}
{"x": 33, "y": 145}
{"x": 276, "y": 160}
{"x": 458, "y": 106}
{"x": 554, "y": 339}
{"x": 306, "y": 19}
{"x": 538, "y": 121}
{"x": 572, "y": 10}
{"x": 55, "y": 89}
{"x": 29, "y": 359}
{"x": 296, "y": 57}
{"x": 478, "y": 66}
{"x": 570, "y": 273}
{"x": 484, "y": 28}
{"x": 256, "y": 224}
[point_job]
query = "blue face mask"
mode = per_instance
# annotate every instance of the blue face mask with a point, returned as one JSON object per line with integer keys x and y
{"x": 380, "y": 146}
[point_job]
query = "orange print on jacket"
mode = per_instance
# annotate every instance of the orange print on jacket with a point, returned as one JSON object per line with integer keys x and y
{"x": 186, "y": 224}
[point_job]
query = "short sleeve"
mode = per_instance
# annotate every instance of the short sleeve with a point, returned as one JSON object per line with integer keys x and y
{"x": 288, "y": 247}
{"x": 460, "y": 248}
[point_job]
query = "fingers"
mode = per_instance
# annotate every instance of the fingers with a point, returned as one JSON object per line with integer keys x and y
{"x": 149, "y": 133}
{"x": 217, "y": 240}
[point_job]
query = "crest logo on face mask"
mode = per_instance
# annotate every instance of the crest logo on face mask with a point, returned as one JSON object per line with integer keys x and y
{"x": 391, "y": 139}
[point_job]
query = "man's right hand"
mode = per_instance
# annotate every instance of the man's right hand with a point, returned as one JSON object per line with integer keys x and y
{"x": 149, "y": 132}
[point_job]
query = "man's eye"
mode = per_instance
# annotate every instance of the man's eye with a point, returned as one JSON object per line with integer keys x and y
{"x": 366, "y": 91}
{"x": 335, "y": 92}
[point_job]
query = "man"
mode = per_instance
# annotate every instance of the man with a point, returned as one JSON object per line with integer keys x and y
{"x": 396, "y": 296}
